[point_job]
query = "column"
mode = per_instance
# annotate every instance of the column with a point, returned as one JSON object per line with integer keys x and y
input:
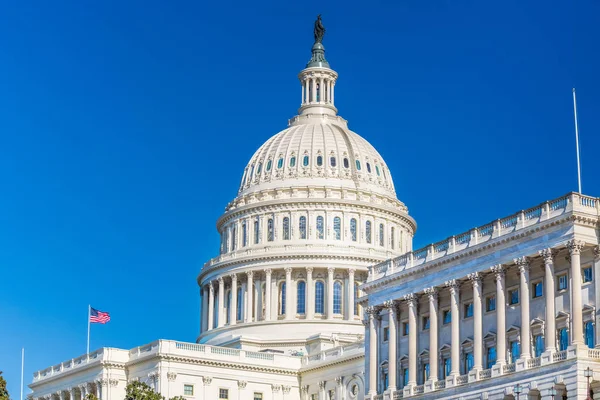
{"x": 303, "y": 90}
{"x": 250, "y": 292}
{"x": 313, "y": 97}
{"x": 211, "y": 306}
{"x": 73, "y": 393}
{"x": 307, "y": 91}
{"x": 373, "y": 316}
{"x": 321, "y": 91}
{"x": 411, "y": 302}
{"x": 257, "y": 300}
{"x": 329, "y": 91}
{"x": 550, "y": 294}
{"x": 83, "y": 391}
{"x": 289, "y": 309}
{"x": 332, "y": 92}
{"x": 204, "y": 325}
{"x": 392, "y": 340}
{"x": 597, "y": 290}
{"x": 498, "y": 271}
{"x": 475, "y": 279}
{"x": 310, "y": 294}
{"x": 330, "y": 272}
{"x": 221, "y": 306}
{"x": 523, "y": 264}
{"x": 575, "y": 247}
{"x": 351, "y": 299}
{"x": 455, "y": 322}
{"x": 233, "y": 305}
{"x": 432, "y": 294}
{"x": 268, "y": 294}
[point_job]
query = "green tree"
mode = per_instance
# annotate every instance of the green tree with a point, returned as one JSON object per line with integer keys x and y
{"x": 178, "y": 398}
{"x": 90, "y": 396}
{"x": 3, "y": 391}
{"x": 140, "y": 391}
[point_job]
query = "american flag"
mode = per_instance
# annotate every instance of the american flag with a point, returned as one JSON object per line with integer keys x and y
{"x": 99, "y": 317}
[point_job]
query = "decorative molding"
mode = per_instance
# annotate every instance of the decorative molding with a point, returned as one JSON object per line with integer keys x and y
{"x": 322, "y": 385}
{"x": 206, "y": 380}
{"x": 275, "y": 388}
{"x": 431, "y": 292}
{"x": 475, "y": 278}
{"x": 113, "y": 382}
{"x": 453, "y": 285}
{"x": 522, "y": 263}
{"x": 242, "y": 384}
{"x": 171, "y": 376}
{"x": 286, "y": 389}
{"x": 304, "y": 389}
{"x": 339, "y": 380}
{"x": 548, "y": 255}
{"x": 410, "y": 299}
{"x": 575, "y": 246}
{"x": 498, "y": 271}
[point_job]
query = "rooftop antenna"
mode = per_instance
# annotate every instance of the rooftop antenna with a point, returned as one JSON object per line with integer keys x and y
{"x": 577, "y": 141}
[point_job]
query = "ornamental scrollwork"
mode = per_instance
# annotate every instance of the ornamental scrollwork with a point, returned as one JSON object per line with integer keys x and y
{"x": 548, "y": 255}
{"x": 575, "y": 246}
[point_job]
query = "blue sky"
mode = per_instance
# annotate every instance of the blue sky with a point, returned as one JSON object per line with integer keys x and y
{"x": 125, "y": 128}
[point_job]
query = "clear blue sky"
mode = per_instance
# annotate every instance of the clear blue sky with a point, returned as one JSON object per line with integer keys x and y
{"x": 125, "y": 128}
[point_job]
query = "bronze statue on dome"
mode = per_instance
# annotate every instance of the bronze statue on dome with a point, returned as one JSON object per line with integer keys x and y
{"x": 319, "y": 30}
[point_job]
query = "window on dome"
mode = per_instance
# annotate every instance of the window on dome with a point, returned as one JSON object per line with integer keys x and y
{"x": 228, "y": 308}
{"x": 356, "y": 296}
{"x": 358, "y": 165}
{"x": 392, "y": 237}
{"x": 318, "y": 92}
{"x": 233, "y": 238}
{"x": 251, "y": 173}
{"x": 293, "y": 161}
{"x": 381, "y": 235}
{"x": 282, "y": 299}
{"x": 280, "y": 163}
{"x": 320, "y": 229}
{"x": 259, "y": 169}
{"x": 353, "y": 229}
{"x": 368, "y": 231}
{"x": 346, "y": 163}
{"x": 301, "y": 298}
{"x": 270, "y": 234}
{"x": 286, "y": 228}
{"x": 244, "y": 235}
{"x": 319, "y": 297}
{"x": 319, "y": 161}
{"x": 337, "y": 228}
{"x": 368, "y": 168}
{"x": 256, "y": 231}
{"x": 302, "y": 226}
{"x": 305, "y": 161}
{"x": 337, "y": 297}
{"x": 332, "y": 161}
{"x": 377, "y": 170}
{"x": 269, "y": 164}
{"x": 238, "y": 311}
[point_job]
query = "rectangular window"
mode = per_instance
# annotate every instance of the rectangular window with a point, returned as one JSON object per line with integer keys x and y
{"x": 224, "y": 394}
{"x": 405, "y": 376}
{"x": 425, "y": 323}
{"x": 258, "y": 396}
{"x": 562, "y": 282}
{"x": 587, "y": 274}
{"x": 515, "y": 351}
{"x": 469, "y": 362}
{"x": 539, "y": 345}
{"x": 491, "y": 357}
{"x": 386, "y": 333}
{"x": 537, "y": 290}
{"x": 447, "y": 367}
{"x": 188, "y": 390}
{"x": 468, "y": 310}
{"x": 447, "y": 316}
{"x": 425, "y": 372}
{"x": 405, "y": 329}
{"x": 513, "y": 296}
{"x": 490, "y": 303}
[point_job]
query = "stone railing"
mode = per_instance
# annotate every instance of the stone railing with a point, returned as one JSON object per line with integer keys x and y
{"x": 461, "y": 380}
{"x": 572, "y": 202}
{"x": 534, "y": 362}
{"x": 485, "y": 374}
{"x": 334, "y": 353}
{"x": 559, "y": 356}
{"x": 509, "y": 368}
{"x": 439, "y": 385}
{"x": 398, "y": 395}
{"x": 419, "y": 389}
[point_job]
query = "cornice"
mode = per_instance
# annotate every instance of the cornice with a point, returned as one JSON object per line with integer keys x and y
{"x": 229, "y": 365}
{"x": 336, "y": 361}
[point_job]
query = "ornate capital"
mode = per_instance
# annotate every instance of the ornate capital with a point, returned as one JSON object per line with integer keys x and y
{"x": 304, "y": 389}
{"x": 339, "y": 380}
{"x": 113, "y": 382}
{"x": 206, "y": 380}
{"x": 286, "y": 389}
{"x": 575, "y": 246}
{"x": 268, "y": 271}
{"x": 351, "y": 271}
{"x": 475, "y": 278}
{"x": 233, "y": 277}
{"x": 390, "y": 305}
{"x": 249, "y": 274}
{"x": 597, "y": 253}
{"x": 373, "y": 311}
{"x": 211, "y": 287}
{"x": 275, "y": 388}
{"x": 220, "y": 280}
{"x": 102, "y": 382}
{"x": 242, "y": 384}
{"x": 410, "y": 299}
{"x": 309, "y": 271}
{"x": 153, "y": 376}
{"x": 432, "y": 293}
{"x": 522, "y": 263}
{"x": 330, "y": 270}
{"x": 498, "y": 271}
{"x": 171, "y": 376}
{"x": 322, "y": 385}
{"x": 548, "y": 255}
{"x": 288, "y": 270}
{"x": 453, "y": 285}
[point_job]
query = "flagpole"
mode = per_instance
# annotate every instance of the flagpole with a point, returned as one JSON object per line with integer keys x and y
{"x": 22, "y": 367}
{"x": 577, "y": 141}
{"x": 88, "y": 322}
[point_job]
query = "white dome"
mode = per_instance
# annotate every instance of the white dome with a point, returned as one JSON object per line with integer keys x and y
{"x": 318, "y": 152}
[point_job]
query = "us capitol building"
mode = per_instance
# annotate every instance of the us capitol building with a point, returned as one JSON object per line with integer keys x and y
{"x": 318, "y": 294}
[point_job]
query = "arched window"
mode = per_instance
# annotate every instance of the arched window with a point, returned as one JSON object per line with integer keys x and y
{"x": 589, "y": 334}
{"x": 269, "y": 165}
{"x": 356, "y": 296}
{"x": 252, "y": 173}
{"x": 318, "y": 92}
{"x": 302, "y": 226}
{"x": 368, "y": 168}
{"x": 301, "y": 298}
{"x": 280, "y": 163}
{"x": 226, "y": 241}
{"x": 238, "y": 312}
{"x": 381, "y": 235}
{"x": 256, "y": 231}
{"x": 282, "y": 299}
{"x": 332, "y": 161}
{"x": 233, "y": 238}
{"x": 337, "y": 228}
{"x": 320, "y": 228}
{"x": 319, "y": 297}
{"x": 223, "y": 242}
{"x": 319, "y": 161}
{"x": 358, "y": 165}
{"x": 563, "y": 339}
{"x": 368, "y": 232}
{"x": 392, "y": 238}
{"x": 244, "y": 235}
{"x": 377, "y": 169}
{"x": 270, "y": 234}
{"x": 228, "y": 308}
{"x": 346, "y": 163}
{"x": 353, "y": 229}
{"x": 337, "y": 297}
{"x": 259, "y": 169}
{"x": 293, "y": 161}
{"x": 286, "y": 228}
{"x": 305, "y": 161}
